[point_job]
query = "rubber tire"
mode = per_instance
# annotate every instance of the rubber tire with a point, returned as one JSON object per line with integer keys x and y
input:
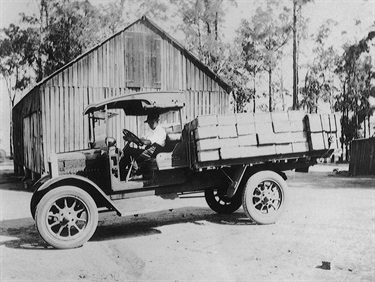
{"x": 227, "y": 208}
{"x": 250, "y": 209}
{"x": 43, "y": 207}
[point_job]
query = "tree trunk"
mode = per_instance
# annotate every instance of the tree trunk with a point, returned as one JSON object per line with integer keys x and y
{"x": 254, "y": 95}
{"x": 11, "y": 104}
{"x": 282, "y": 91}
{"x": 295, "y": 67}
{"x": 270, "y": 90}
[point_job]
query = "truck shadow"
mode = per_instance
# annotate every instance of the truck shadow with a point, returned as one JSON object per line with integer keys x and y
{"x": 149, "y": 224}
{"x": 22, "y": 234}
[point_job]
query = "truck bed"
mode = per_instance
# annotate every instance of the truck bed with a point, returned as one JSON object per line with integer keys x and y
{"x": 285, "y": 137}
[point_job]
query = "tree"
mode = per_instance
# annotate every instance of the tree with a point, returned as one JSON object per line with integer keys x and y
{"x": 252, "y": 60}
{"x": 320, "y": 74}
{"x": 280, "y": 91}
{"x": 72, "y": 28}
{"x": 272, "y": 29}
{"x": 17, "y": 54}
{"x": 297, "y": 17}
{"x": 201, "y": 23}
{"x": 237, "y": 77}
{"x": 356, "y": 73}
{"x": 156, "y": 9}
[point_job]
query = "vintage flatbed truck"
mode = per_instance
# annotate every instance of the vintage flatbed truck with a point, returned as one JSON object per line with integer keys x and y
{"x": 235, "y": 160}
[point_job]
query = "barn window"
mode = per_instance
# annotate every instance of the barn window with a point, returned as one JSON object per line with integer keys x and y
{"x": 156, "y": 62}
{"x": 143, "y": 60}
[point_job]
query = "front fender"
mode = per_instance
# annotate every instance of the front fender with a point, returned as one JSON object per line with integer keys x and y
{"x": 40, "y": 182}
{"x": 46, "y": 184}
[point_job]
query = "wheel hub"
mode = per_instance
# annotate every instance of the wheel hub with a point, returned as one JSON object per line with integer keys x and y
{"x": 267, "y": 197}
{"x": 67, "y": 217}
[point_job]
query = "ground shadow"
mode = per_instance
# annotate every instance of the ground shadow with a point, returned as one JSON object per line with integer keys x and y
{"x": 148, "y": 224}
{"x": 22, "y": 234}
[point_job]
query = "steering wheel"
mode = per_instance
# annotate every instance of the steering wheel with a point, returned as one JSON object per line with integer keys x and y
{"x": 131, "y": 137}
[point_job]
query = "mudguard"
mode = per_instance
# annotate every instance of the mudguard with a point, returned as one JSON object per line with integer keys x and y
{"x": 40, "y": 182}
{"x": 46, "y": 183}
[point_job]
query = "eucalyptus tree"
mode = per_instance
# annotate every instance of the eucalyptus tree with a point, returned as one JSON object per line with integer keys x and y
{"x": 271, "y": 28}
{"x": 157, "y": 9}
{"x": 238, "y": 78}
{"x": 17, "y": 55}
{"x": 201, "y": 23}
{"x": 250, "y": 57}
{"x": 299, "y": 24}
{"x": 356, "y": 74}
{"x": 319, "y": 79}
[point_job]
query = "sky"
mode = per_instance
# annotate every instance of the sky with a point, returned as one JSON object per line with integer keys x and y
{"x": 344, "y": 12}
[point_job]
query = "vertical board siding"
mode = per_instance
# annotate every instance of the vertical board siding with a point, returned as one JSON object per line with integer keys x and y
{"x": 49, "y": 119}
{"x": 27, "y": 133}
{"x": 362, "y": 157}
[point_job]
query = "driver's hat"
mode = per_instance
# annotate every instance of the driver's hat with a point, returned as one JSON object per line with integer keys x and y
{"x": 154, "y": 115}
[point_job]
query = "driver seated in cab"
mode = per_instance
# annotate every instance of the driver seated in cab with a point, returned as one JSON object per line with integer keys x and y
{"x": 153, "y": 143}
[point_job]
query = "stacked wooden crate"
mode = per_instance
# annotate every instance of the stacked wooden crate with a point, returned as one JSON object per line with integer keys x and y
{"x": 205, "y": 134}
{"x": 324, "y": 131}
{"x": 222, "y": 137}
{"x": 290, "y": 132}
{"x": 298, "y": 129}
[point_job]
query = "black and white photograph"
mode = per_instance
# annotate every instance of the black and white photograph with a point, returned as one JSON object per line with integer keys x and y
{"x": 187, "y": 140}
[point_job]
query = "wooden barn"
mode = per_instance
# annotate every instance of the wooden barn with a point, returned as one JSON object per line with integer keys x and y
{"x": 141, "y": 57}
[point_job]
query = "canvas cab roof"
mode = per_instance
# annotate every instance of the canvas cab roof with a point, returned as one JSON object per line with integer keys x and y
{"x": 140, "y": 103}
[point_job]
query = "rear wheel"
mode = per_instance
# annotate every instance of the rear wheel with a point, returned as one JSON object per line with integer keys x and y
{"x": 264, "y": 197}
{"x": 66, "y": 217}
{"x": 221, "y": 203}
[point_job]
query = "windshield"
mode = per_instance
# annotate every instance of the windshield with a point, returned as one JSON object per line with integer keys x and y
{"x": 110, "y": 116}
{"x": 116, "y": 120}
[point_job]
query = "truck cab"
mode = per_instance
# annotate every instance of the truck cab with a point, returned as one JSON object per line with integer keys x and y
{"x": 173, "y": 156}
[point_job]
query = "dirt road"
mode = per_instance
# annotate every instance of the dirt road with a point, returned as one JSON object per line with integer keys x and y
{"x": 327, "y": 234}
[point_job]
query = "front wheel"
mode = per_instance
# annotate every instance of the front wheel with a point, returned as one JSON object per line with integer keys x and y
{"x": 221, "y": 203}
{"x": 66, "y": 217}
{"x": 264, "y": 197}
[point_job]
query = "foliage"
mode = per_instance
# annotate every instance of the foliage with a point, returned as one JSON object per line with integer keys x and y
{"x": 17, "y": 52}
{"x": 262, "y": 40}
{"x": 320, "y": 75}
{"x": 156, "y": 9}
{"x": 236, "y": 75}
{"x": 201, "y": 25}
{"x": 356, "y": 72}
{"x": 74, "y": 27}
{"x": 251, "y": 61}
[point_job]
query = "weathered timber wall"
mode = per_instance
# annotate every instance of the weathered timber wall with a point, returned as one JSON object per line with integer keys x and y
{"x": 28, "y": 134}
{"x": 362, "y": 157}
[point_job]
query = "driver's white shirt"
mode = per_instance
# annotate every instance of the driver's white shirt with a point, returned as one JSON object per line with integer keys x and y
{"x": 158, "y": 135}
